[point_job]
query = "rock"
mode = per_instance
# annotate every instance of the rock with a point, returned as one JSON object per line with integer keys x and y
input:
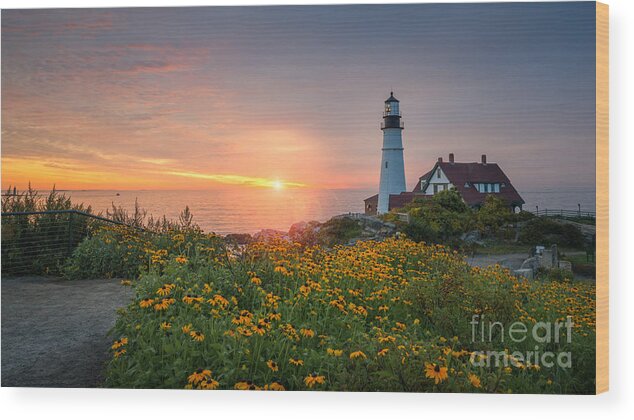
{"x": 471, "y": 237}
{"x": 239, "y": 238}
{"x": 304, "y": 232}
{"x": 565, "y": 265}
{"x": 266, "y": 235}
{"x": 527, "y": 273}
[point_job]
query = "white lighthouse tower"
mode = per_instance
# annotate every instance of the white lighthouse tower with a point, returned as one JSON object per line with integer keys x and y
{"x": 392, "y": 165}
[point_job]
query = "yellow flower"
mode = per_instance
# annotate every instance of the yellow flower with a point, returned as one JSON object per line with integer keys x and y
{"x": 436, "y": 372}
{"x": 382, "y": 352}
{"x": 119, "y": 353}
{"x": 164, "y": 290}
{"x": 119, "y": 343}
{"x": 313, "y": 379}
{"x": 198, "y": 376}
{"x": 245, "y": 385}
{"x": 125, "y": 282}
{"x": 256, "y": 281}
{"x": 189, "y": 299}
{"x": 165, "y": 325}
{"x": 186, "y": 328}
{"x": 275, "y": 386}
{"x": 307, "y": 332}
{"x": 163, "y": 304}
{"x": 181, "y": 259}
{"x": 334, "y": 352}
{"x": 272, "y": 365}
{"x": 145, "y": 303}
{"x": 296, "y": 362}
{"x": 357, "y": 355}
{"x": 209, "y": 383}
{"x": 258, "y": 329}
{"x": 197, "y": 336}
{"x": 475, "y": 381}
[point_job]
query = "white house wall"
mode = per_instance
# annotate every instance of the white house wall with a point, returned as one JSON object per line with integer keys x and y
{"x": 434, "y": 180}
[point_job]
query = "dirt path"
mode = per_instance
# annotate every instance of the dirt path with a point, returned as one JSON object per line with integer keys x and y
{"x": 512, "y": 261}
{"x": 54, "y": 331}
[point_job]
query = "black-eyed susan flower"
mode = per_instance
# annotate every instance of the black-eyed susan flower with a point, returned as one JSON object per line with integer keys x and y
{"x": 475, "y": 381}
{"x": 258, "y": 329}
{"x": 245, "y": 385}
{"x": 272, "y": 365}
{"x": 436, "y": 372}
{"x": 306, "y": 332}
{"x": 198, "y": 376}
{"x": 164, "y": 290}
{"x": 119, "y": 343}
{"x": 197, "y": 336}
{"x": 334, "y": 352}
{"x": 382, "y": 352}
{"x": 358, "y": 355}
{"x": 314, "y": 379}
{"x": 208, "y": 383}
{"x": 146, "y": 303}
{"x": 296, "y": 362}
{"x": 165, "y": 325}
{"x": 186, "y": 328}
{"x": 275, "y": 386}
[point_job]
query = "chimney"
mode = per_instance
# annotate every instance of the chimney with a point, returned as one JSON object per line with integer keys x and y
{"x": 439, "y": 160}
{"x": 484, "y": 159}
{"x": 450, "y": 157}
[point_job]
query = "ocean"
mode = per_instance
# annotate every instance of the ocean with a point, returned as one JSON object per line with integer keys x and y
{"x": 248, "y": 210}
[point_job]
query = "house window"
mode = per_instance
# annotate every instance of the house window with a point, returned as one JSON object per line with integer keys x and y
{"x": 386, "y": 165}
{"x": 496, "y": 188}
{"x": 438, "y": 173}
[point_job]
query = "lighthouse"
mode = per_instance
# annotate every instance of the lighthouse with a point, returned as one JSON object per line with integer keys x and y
{"x": 392, "y": 165}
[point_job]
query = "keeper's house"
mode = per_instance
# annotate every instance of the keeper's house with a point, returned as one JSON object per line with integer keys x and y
{"x": 473, "y": 181}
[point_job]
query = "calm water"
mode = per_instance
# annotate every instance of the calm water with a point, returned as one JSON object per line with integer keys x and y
{"x": 248, "y": 210}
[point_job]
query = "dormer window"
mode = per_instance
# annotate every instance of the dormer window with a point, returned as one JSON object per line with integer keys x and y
{"x": 466, "y": 185}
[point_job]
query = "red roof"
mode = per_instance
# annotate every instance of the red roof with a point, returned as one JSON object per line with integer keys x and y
{"x": 460, "y": 174}
{"x": 399, "y": 200}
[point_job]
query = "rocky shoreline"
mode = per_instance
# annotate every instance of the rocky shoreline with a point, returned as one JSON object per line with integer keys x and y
{"x": 344, "y": 229}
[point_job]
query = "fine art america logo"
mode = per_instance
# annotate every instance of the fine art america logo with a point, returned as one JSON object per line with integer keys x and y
{"x": 544, "y": 334}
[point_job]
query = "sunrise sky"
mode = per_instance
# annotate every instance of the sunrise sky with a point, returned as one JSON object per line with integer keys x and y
{"x": 263, "y": 96}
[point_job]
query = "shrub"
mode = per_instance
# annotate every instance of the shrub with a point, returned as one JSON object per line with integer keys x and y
{"x": 122, "y": 251}
{"x": 546, "y": 231}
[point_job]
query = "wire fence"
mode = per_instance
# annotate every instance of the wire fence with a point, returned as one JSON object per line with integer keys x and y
{"x": 40, "y": 242}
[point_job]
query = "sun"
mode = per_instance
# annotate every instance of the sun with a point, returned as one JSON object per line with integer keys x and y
{"x": 278, "y": 185}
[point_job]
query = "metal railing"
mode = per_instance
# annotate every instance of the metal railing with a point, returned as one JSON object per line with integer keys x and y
{"x": 40, "y": 241}
{"x": 573, "y": 214}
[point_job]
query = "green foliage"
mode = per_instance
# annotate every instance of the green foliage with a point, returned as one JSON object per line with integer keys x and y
{"x": 546, "y": 231}
{"x": 123, "y": 251}
{"x": 441, "y": 219}
{"x": 493, "y": 215}
{"x": 338, "y": 231}
{"x": 555, "y": 274}
{"x": 30, "y": 200}
{"x": 38, "y": 243}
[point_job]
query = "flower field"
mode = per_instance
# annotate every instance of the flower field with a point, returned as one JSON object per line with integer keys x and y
{"x": 388, "y": 316}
